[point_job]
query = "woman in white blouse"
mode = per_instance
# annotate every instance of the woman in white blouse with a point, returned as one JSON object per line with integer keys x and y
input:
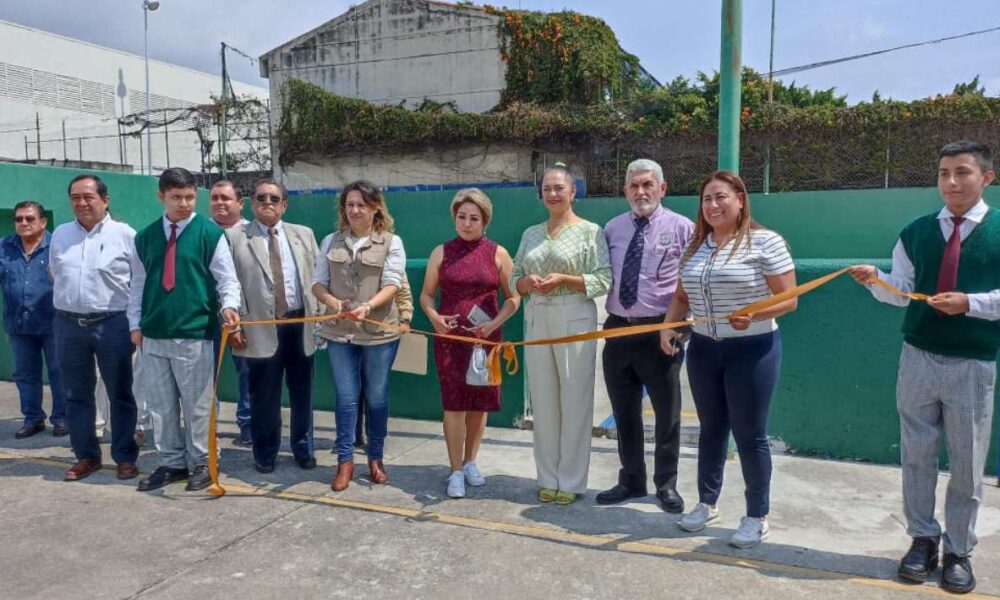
{"x": 733, "y": 364}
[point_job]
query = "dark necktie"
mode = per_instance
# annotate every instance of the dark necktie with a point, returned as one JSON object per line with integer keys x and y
{"x": 170, "y": 259}
{"x": 628, "y": 291}
{"x": 948, "y": 275}
{"x": 277, "y": 273}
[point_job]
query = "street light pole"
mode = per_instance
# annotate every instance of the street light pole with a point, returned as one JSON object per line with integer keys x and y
{"x": 147, "y": 6}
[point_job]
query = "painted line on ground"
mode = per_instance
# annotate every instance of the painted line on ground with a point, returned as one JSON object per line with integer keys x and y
{"x": 554, "y": 535}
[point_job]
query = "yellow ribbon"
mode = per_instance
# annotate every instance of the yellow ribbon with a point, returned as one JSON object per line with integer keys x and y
{"x": 506, "y": 349}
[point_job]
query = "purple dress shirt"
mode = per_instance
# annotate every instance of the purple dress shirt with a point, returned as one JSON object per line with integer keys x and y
{"x": 665, "y": 239}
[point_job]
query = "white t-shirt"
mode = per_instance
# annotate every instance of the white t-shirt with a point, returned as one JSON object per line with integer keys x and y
{"x": 719, "y": 281}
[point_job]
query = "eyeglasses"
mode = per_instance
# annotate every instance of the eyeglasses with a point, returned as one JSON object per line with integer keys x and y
{"x": 274, "y": 198}
{"x": 25, "y": 219}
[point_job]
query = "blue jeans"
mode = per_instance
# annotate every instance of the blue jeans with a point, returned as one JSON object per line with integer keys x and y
{"x": 358, "y": 369}
{"x": 77, "y": 348}
{"x": 243, "y": 397}
{"x": 28, "y": 350}
{"x": 242, "y": 385}
{"x": 732, "y": 381}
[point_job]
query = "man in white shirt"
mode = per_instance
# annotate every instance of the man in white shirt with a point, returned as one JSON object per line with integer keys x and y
{"x": 90, "y": 264}
{"x": 226, "y": 205}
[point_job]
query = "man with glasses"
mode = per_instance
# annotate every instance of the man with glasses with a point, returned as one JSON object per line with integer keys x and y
{"x": 27, "y": 318}
{"x": 90, "y": 264}
{"x": 226, "y": 205}
{"x": 274, "y": 263}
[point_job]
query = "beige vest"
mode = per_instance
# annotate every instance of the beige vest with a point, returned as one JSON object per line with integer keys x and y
{"x": 356, "y": 278}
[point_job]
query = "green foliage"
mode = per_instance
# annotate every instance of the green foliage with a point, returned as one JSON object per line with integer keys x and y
{"x": 971, "y": 88}
{"x": 563, "y": 57}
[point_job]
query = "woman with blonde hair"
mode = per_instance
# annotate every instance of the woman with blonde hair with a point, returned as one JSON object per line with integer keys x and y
{"x": 468, "y": 271}
{"x": 360, "y": 268}
{"x": 733, "y": 365}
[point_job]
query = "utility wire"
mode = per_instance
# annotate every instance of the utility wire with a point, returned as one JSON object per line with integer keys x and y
{"x": 834, "y": 61}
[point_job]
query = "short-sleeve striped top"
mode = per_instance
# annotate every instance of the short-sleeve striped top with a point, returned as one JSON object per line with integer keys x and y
{"x": 719, "y": 281}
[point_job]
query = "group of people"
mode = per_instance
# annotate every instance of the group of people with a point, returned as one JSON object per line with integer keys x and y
{"x": 165, "y": 290}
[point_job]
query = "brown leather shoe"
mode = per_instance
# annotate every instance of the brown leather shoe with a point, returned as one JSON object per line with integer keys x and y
{"x": 127, "y": 470}
{"x": 82, "y": 469}
{"x": 377, "y": 472}
{"x": 345, "y": 473}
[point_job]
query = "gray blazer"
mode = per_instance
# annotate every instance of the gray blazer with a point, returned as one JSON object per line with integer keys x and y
{"x": 253, "y": 268}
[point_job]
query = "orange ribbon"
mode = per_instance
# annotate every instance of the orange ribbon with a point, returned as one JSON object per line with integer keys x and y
{"x": 506, "y": 349}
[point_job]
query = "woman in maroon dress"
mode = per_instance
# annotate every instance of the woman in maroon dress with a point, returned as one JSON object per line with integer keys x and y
{"x": 468, "y": 271}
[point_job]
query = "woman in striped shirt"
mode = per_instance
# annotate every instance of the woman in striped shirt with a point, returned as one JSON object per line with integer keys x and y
{"x": 733, "y": 364}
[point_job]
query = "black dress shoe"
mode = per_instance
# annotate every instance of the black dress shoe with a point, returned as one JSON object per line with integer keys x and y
{"x": 161, "y": 477}
{"x": 29, "y": 430}
{"x": 199, "y": 479}
{"x": 306, "y": 463}
{"x": 670, "y": 501}
{"x": 619, "y": 494}
{"x": 263, "y": 468}
{"x": 956, "y": 574}
{"x": 919, "y": 560}
{"x": 60, "y": 430}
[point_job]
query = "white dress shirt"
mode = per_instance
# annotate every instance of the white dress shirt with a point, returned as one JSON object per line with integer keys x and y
{"x": 290, "y": 273}
{"x": 985, "y": 305}
{"x": 91, "y": 269}
{"x": 221, "y": 266}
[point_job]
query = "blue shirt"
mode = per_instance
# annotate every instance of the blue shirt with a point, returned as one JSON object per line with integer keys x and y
{"x": 27, "y": 291}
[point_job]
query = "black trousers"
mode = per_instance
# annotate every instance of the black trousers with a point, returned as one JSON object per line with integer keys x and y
{"x": 290, "y": 364}
{"x": 630, "y": 364}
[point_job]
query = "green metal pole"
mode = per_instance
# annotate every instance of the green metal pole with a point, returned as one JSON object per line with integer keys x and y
{"x": 224, "y": 133}
{"x": 730, "y": 76}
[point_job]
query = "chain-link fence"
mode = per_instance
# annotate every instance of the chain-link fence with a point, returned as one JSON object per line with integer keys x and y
{"x": 900, "y": 154}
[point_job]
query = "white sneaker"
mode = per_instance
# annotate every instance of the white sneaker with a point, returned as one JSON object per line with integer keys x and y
{"x": 472, "y": 475}
{"x": 752, "y": 530}
{"x": 699, "y": 517}
{"x": 456, "y": 485}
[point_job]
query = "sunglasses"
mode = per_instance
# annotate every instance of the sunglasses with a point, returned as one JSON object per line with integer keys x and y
{"x": 273, "y": 198}
{"x": 23, "y": 219}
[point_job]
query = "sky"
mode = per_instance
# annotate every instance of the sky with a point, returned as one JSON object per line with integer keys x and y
{"x": 670, "y": 37}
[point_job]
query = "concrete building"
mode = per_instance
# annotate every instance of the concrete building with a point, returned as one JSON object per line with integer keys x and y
{"x": 401, "y": 52}
{"x": 66, "y": 100}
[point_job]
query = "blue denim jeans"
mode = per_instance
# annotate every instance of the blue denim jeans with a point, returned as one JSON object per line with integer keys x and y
{"x": 358, "y": 369}
{"x": 243, "y": 397}
{"x": 77, "y": 348}
{"x": 28, "y": 350}
{"x": 732, "y": 381}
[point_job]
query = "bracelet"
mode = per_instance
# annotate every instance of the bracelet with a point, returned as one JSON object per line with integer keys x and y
{"x": 368, "y": 308}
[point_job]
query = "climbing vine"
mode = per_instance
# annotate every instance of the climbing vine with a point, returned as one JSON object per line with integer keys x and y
{"x": 563, "y": 57}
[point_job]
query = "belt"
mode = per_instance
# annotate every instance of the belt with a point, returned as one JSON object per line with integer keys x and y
{"x": 638, "y": 320}
{"x": 294, "y": 314}
{"x": 88, "y": 319}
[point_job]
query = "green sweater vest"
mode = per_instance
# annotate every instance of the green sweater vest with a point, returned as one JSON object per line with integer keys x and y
{"x": 978, "y": 271}
{"x": 190, "y": 310}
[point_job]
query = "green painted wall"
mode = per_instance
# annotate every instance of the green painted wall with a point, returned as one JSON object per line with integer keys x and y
{"x": 837, "y": 390}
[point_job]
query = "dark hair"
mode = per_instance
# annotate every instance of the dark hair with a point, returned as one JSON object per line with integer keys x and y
{"x": 177, "y": 178}
{"x": 373, "y": 197}
{"x": 37, "y": 206}
{"x": 982, "y": 152}
{"x": 744, "y": 223}
{"x": 102, "y": 188}
{"x": 270, "y": 181}
{"x": 232, "y": 184}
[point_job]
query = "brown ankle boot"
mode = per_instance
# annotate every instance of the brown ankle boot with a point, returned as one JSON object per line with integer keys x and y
{"x": 377, "y": 471}
{"x": 345, "y": 473}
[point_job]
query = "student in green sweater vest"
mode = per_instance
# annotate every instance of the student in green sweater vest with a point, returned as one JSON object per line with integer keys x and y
{"x": 182, "y": 273}
{"x": 947, "y": 368}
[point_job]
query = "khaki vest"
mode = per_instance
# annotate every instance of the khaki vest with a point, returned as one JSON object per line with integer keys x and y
{"x": 356, "y": 278}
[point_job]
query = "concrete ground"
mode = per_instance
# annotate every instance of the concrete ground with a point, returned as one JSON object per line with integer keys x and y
{"x": 837, "y": 529}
